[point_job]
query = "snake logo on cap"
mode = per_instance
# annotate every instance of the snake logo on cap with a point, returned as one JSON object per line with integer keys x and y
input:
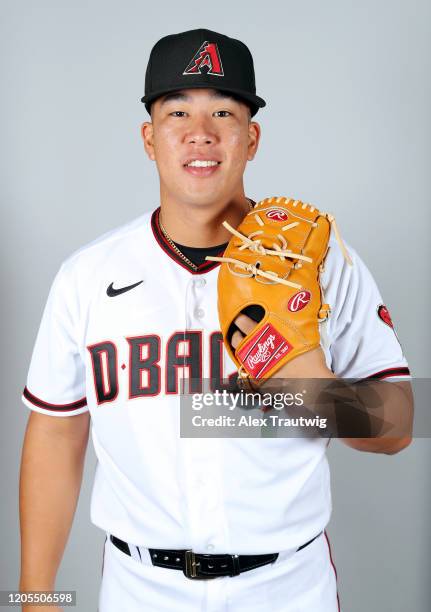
{"x": 207, "y": 55}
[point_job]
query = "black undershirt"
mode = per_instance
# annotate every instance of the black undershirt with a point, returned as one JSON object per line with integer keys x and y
{"x": 197, "y": 254}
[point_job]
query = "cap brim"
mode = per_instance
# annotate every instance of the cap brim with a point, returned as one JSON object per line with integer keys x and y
{"x": 255, "y": 101}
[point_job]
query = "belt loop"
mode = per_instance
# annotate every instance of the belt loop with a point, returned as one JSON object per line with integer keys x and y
{"x": 135, "y": 553}
{"x": 236, "y": 570}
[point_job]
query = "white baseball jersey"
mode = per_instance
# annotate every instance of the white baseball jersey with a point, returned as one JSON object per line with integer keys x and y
{"x": 123, "y": 316}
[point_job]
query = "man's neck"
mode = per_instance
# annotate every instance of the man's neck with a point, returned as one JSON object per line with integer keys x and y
{"x": 201, "y": 226}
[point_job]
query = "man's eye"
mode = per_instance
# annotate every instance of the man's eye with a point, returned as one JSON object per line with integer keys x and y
{"x": 222, "y": 113}
{"x": 178, "y": 114}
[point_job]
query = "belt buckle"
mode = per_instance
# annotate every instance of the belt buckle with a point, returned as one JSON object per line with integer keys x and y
{"x": 190, "y": 569}
{"x": 191, "y": 565}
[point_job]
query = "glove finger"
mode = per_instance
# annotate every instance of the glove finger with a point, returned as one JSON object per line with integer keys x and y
{"x": 236, "y": 339}
{"x": 245, "y": 324}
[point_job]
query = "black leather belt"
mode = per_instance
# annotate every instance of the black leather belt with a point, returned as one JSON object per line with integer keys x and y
{"x": 201, "y": 566}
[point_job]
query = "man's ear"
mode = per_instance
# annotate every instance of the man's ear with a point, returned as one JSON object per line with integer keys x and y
{"x": 147, "y": 133}
{"x": 253, "y": 139}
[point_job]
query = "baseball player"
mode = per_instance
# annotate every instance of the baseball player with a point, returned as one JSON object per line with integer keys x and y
{"x": 209, "y": 524}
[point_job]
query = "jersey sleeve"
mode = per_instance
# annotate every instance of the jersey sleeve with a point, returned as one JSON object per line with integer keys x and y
{"x": 56, "y": 376}
{"x": 362, "y": 339}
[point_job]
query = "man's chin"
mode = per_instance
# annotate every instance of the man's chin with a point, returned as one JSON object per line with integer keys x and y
{"x": 201, "y": 198}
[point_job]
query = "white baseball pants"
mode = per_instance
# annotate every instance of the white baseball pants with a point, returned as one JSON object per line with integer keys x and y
{"x": 303, "y": 581}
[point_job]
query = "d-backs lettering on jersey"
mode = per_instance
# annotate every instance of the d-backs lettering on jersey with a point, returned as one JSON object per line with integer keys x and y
{"x": 147, "y": 375}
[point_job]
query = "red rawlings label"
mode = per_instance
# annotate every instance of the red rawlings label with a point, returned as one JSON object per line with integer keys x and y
{"x": 299, "y": 301}
{"x": 277, "y": 214}
{"x": 263, "y": 350}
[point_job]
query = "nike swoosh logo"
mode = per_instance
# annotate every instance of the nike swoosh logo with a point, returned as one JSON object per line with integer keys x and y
{"x": 113, "y": 292}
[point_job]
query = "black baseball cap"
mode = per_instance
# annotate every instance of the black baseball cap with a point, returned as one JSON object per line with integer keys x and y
{"x": 204, "y": 59}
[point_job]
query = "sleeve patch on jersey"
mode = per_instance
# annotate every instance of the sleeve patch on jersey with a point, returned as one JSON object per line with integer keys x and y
{"x": 403, "y": 371}
{"x": 55, "y": 407}
{"x": 384, "y": 315}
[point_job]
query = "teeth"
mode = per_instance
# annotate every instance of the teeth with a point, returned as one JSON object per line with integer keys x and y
{"x": 201, "y": 163}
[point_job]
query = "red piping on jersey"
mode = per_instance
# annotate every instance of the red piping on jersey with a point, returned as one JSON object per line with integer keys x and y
{"x": 55, "y": 407}
{"x": 164, "y": 244}
{"x": 333, "y": 567}
{"x": 390, "y": 372}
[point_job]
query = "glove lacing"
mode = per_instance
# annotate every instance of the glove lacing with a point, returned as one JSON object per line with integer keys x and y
{"x": 255, "y": 245}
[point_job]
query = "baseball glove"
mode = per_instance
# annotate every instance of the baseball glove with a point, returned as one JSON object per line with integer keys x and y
{"x": 272, "y": 267}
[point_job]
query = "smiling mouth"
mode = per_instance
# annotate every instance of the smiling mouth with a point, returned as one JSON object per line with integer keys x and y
{"x": 201, "y": 163}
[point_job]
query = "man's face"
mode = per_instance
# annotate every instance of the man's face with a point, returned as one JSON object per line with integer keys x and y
{"x": 201, "y": 141}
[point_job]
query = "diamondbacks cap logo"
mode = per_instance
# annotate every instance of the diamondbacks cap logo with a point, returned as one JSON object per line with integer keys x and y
{"x": 383, "y": 313}
{"x": 299, "y": 301}
{"x": 206, "y": 56}
{"x": 277, "y": 214}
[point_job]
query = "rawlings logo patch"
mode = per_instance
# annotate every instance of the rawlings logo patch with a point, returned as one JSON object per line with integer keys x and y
{"x": 207, "y": 56}
{"x": 263, "y": 350}
{"x": 384, "y": 315}
{"x": 299, "y": 301}
{"x": 277, "y": 214}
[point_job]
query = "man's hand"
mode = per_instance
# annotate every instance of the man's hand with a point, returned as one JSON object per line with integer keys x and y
{"x": 308, "y": 365}
{"x": 389, "y": 421}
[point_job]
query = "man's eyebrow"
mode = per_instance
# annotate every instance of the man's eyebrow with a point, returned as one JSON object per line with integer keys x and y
{"x": 222, "y": 94}
{"x": 180, "y": 96}
{"x": 175, "y": 97}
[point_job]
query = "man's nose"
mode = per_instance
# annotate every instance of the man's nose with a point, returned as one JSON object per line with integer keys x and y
{"x": 200, "y": 133}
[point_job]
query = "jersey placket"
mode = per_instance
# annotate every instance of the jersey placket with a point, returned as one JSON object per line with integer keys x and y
{"x": 203, "y": 457}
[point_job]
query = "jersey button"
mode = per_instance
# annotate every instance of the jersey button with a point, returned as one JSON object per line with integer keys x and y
{"x": 200, "y": 282}
{"x": 210, "y": 547}
{"x": 199, "y": 313}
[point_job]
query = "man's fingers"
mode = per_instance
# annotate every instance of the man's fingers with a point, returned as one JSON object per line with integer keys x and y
{"x": 245, "y": 324}
{"x": 236, "y": 338}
